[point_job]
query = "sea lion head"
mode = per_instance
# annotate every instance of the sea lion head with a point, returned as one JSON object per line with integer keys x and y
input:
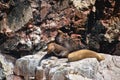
{"x": 60, "y": 37}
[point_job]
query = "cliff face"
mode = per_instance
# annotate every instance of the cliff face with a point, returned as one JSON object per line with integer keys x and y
{"x": 27, "y": 26}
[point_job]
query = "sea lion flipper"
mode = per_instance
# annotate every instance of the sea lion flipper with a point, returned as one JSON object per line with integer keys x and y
{"x": 64, "y": 53}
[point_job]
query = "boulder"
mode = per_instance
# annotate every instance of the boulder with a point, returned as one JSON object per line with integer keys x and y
{"x": 26, "y": 65}
{"x": 2, "y": 75}
{"x": 6, "y": 67}
{"x": 39, "y": 67}
{"x": 61, "y": 70}
{"x": 80, "y": 4}
{"x": 86, "y": 69}
{"x": 19, "y": 15}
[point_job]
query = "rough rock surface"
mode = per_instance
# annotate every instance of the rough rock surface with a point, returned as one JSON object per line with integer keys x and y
{"x": 86, "y": 69}
{"x": 80, "y": 4}
{"x": 6, "y": 67}
{"x": 26, "y": 66}
{"x": 19, "y": 15}
{"x": 2, "y": 75}
{"x": 53, "y": 68}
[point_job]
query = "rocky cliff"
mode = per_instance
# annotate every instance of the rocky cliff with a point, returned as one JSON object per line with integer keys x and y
{"x": 28, "y": 26}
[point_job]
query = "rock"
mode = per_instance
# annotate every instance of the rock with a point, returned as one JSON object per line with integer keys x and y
{"x": 63, "y": 4}
{"x": 52, "y": 68}
{"x": 34, "y": 4}
{"x": 77, "y": 77}
{"x": 58, "y": 69}
{"x": 86, "y": 69}
{"x": 80, "y": 4}
{"x": 113, "y": 29}
{"x": 13, "y": 77}
{"x": 116, "y": 61}
{"x": 2, "y": 75}
{"x": 58, "y": 75}
{"x": 45, "y": 9}
{"x": 26, "y": 66}
{"x": 40, "y": 74}
{"x": 20, "y": 43}
{"x": 10, "y": 44}
{"x": 16, "y": 78}
{"x": 19, "y": 15}
{"x": 108, "y": 70}
{"x": 6, "y": 68}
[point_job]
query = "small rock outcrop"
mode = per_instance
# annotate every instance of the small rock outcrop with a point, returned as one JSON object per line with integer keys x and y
{"x": 26, "y": 66}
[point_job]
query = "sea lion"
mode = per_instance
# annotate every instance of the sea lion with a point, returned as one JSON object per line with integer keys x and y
{"x": 66, "y": 41}
{"x": 84, "y": 53}
{"x": 57, "y": 49}
{"x": 60, "y": 37}
{"x": 63, "y": 45}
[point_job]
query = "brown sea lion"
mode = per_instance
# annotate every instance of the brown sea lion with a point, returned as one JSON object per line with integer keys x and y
{"x": 60, "y": 37}
{"x": 63, "y": 45}
{"x": 58, "y": 50}
{"x": 66, "y": 41}
{"x": 84, "y": 53}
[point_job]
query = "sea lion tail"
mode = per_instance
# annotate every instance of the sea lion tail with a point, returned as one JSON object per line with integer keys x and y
{"x": 101, "y": 57}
